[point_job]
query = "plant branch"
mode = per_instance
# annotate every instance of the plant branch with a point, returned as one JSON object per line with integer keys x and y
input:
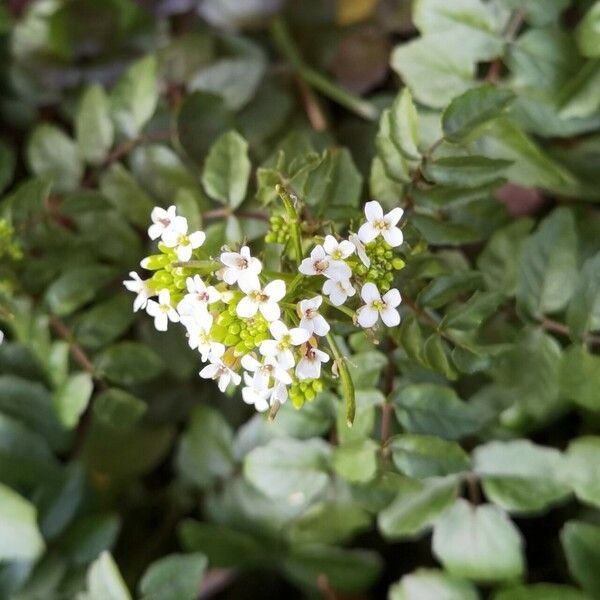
{"x": 346, "y": 380}
{"x": 562, "y": 329}
{"x": 79, "y": 355}
{"x": 288, "y": 203}
{"x": 509, "y": 34}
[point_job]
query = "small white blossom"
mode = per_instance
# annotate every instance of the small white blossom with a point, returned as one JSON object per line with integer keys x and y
{"x": 1, "y": 336}
{"x": 264, "y": 300}
{"x": 337, "y": 250}
{"x": 240, "y": 267}
{"x": 162, "y": 311}
{"x": 259, "y": 398}
{"x": 338, "y": 291}
{"x": 309, "y": 366}
{"x": 310, "y": 319}
{"x": 138, "y": 286}
{"x": 198, "y": 328}
{"x": 377, "y": 306}
{"x": 199, "y": 294}
{"x": 265, "y": 370}
{"x": 320, "y": 263}
{"x": 378, "y": 223}
{"x": 217, "y": 370}
{"x": 360, "y": 250}
{"x": 281, "y": 346}
{"x": 164, "y": 220}
{"x": 177, "y": 237}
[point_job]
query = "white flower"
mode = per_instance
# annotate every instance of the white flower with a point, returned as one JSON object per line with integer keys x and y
{"x": 378, "y": 223}
{"x": 198, "y": 329}
{"x": 198, "y": 295}
{"x": 337, "y": 250}
{"x": 264, "y": 300}
{"x": 310, "y": 319}
{"x": 162, "y": 311}
{"x": 263, "y": 371}
{"x": 360, "y": 250}
{"x": 138, "y": 286}
{"x": 217, "y": 370}
{"x": 377, "y": 306}
{"x": 320, "y": 263}
{"x": 1, "y": 336}
{"x": 257, "y": 397}
{"x": 281, "y": 346}
{"x": 177, "y": 237}
{"x": 338, "y": 291}
{"x": 279, "y": 393}
{"x": 163, "y": 220}
{"x": 309, "y": 366}
{"x": 240, "y": 266}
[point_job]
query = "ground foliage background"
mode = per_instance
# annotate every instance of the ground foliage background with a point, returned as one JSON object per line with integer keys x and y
{"x": 473, "y": 467}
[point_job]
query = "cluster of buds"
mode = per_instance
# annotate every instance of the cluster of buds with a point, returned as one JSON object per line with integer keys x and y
{"x": 269, "y": 332}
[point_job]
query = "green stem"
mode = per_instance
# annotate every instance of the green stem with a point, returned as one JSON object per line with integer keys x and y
{"x": 341, "y": 308}
{"x": 292, "y": 215}
{"x": 345, "y": 379}
{"x": 295, "y": 283}
{"x": 209, "y": 266}
{"x": 282, "y": 38}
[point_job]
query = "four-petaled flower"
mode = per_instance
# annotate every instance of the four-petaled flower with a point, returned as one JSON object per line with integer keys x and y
{"x": 198, "y": 327}
{"x": 265, "y": 370}
{"x": 377, "y": 306}
{"x": 320, "y": 263}
{"x": 199, "y": 294}
{"x": 240, "y": 267}
{"x": 218, "y": 370}
{"x": 163, "y": 220}
{"x": 258, "y": 397}
{"x": 337, "y": 250}
{"x": 309, "y": 366}
{"x": 162, "y": 311}
{"x": 265, "y": 299}
{"x": 378, "y": 223}
{"x": 338, "y": 291}
{"x": 177, "y": 237}
{"x": 280, "y": 347}
{"x": 138, "y": 286}
{"x": 310, "y": 319}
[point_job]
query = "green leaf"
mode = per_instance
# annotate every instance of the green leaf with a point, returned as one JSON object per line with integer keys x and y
{"x": 468, "y": 171}
{"x": 174, "y": 577}
{"x": 446, "y": 288}
{"x": 87, "y": 537}
{"x": 434, "y": 409}
{"x": 104, "y": 582}
{"x": 94, "y": 129}
{"x": 444, "y": 233}
{"x": 471, "y": 314}
{"x": 118, "y": 409}
{"x": 431, "y": 584}
{"x": 581, "y": 545}
{"x": 205, "y": 452}
{"x": 541, "y": 591}
{"x": 548, "y": 266}
{"x": 416, "y": 507}
{"x": 579, "y": 96}
{"x": 583, "y": 313}
{"x": 580, "y": 377}
{"x": 427, "y": 456}
{"x": 479, "y": 543}
{"x": 134, "y": 98}
{"x": 520, "y": 476}
{"x": 437, "y": 356}
{"x": 466, "y": 114}
{"x": 536, "y": 13}
{"x": 582, "y": 468}
{"x": 7, "y": 165}
{"x": 227, "y": 169}
{"x": 54, "y": 155}
{"x": 290, "y": 470}
{"x": 72, "y": 397}
{"x": 587, "y": 33}
{"x": 129, "y": 363}
{"x": 20, "y": 538}
{"x": 356, "y": 461}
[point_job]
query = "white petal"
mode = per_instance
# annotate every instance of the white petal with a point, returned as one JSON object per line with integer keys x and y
{"x": 184, "y": 253}
{"x": 164, "y": 297}
{"x": 230, "y": 259}
{"x": 373, "y": 211}
{"x": 161, "y": 322}
{"x": 278, "y": 329}
{"x": 390, "y": 316}
{"x": 285, "y": 359}
{"x": 169, "y": 238}
{"x": 159, "y": 213}
{"x": 307, "y": 267}
{"x": 322, "y": 356}
{"x": 275, "y": 290}
{"x": 330, "y": 244}
{"x": 268, "y": 348}
{"x": 282, "y": 375}
{"x": 155, "y": 230}
{"x": 230, "y": 275}
{"x": 321, "y": 326}
{"x": 317, "y": 253}
{"x": 179, "y": 225}
{"x": 307, "y": 324}
{"x": 367, "y": 233}
{"x": 140, "y": 301}
{"x": 338, "y": 270}
{"x": 308, "y": 369}
{"x": 394, "y": 216}
{"x": 235, "y": 377}
{"x": 254, "y": 265}
{"x": 270, "y": 310}
{"x": 347, "y": 248}
{"x": 367, "y": 317}
{"x": 152, "y": 308}
{"x": 370, "y": 293}
{"x": 197, "y": 238}
{"x": 209, "y": 371}
{"x": 173, "y": 316}
{"x": 392, "y": 298}
{"x": 246, "y": 308}
{"x": 250, "y": 363}
{"x": 298, "y": 336}
{"x": 224, "y": 381}
{"x": 216, "y": 350}
{"x": 248, "y": 279}
{"x": 393, "y": 236}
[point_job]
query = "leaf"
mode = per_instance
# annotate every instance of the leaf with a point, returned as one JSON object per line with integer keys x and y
{"x": 579, "y": 96}
{"x": 416, "y": 508}
{"x": 104, "y": 582}
{"x": 404, "y": 126}
{"x": 548, "y": 266}
{"x": 129, "y": 363}
{"x": 536, "y": 14}
{"x": 478, "y": 542}
{"x": 468, "y": 171}
{"x": 431, "y": 584}
{"x": 118, "y": 409}
{"x": 356, "y": 461}
{"x": 433, "y": 409}
{"x": 174, "y": 577}
{"x": 467, "y": 113}
{"x": 20, "y": 538}
{"x": 54, "y": 155}
{"x": 582, "y": 468}
{"x": 583, "y": 312}
{"x": 289, "y": 470}
{"x": 581, "y": 545}
{"x": 89, "y": 536}
{"x": 520, "y": 476}
{"x": 541, "y": 591}
{"x": 227, "y": 169}
{"x": 72, "y": 397}
{"x": 446, "y": 288}
{"x": 205, "y": 452}
{"x": 7, "y": 165}
{"x": 94, "y": 129}
{"x": 587, "y": 33}
{"x": 436, "y": 355}
{"x": 134, "y": 98}
{"x": 444, "y": 233}
{"x": 471, "y": 314}
{"x": 580, "y": 377}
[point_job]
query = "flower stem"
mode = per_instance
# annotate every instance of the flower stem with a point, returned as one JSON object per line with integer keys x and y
{"x": 292, "y": 215}
{"x": 347, "y": 311}
{"x": 208, "y": 266}
{"x": 345, "y": 379}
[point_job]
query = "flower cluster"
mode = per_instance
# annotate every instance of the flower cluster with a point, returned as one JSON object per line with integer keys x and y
{"x": 268, "y": 331}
